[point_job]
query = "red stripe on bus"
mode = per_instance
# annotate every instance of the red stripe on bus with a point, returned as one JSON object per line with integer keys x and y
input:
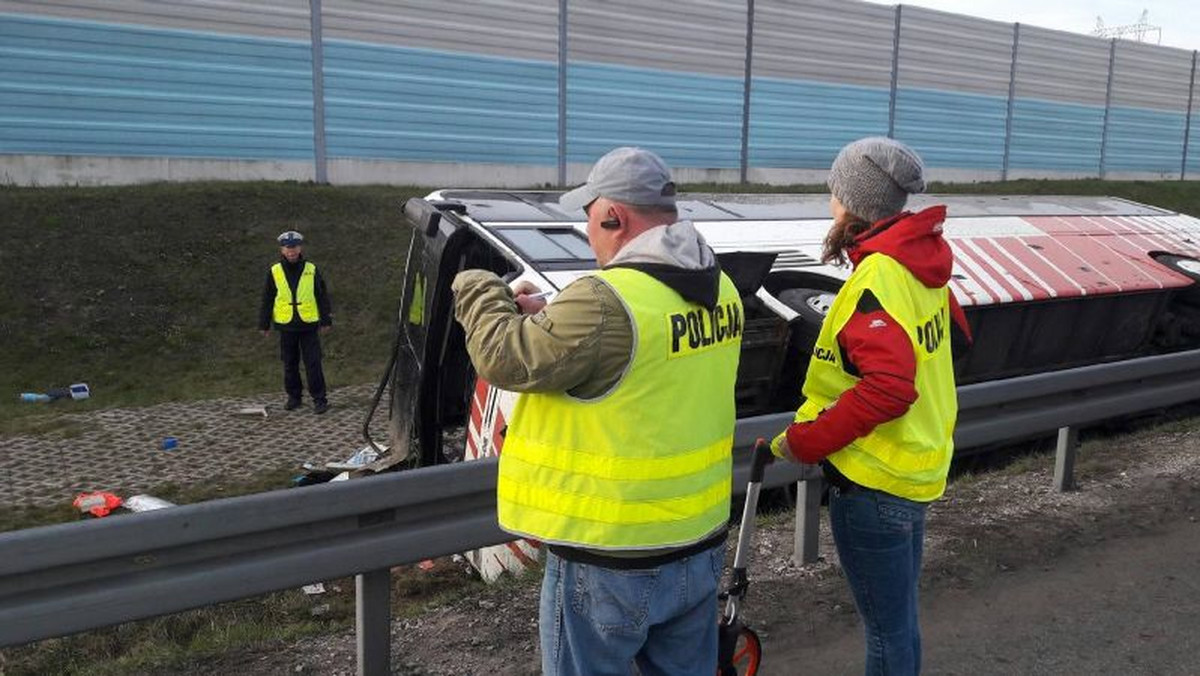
{"x": 994, "y": 271}
{"x": 1024, "y": 250}
{"x": 998, "y": 253}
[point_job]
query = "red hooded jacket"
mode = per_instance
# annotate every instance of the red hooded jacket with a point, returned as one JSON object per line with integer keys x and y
{"x": 875, "y": 347}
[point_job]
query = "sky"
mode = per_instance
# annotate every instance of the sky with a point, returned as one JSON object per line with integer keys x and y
{"x": 1179, "y": 19}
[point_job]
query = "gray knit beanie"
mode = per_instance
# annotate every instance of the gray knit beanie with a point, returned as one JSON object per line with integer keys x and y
{"x": 873, "y": 177}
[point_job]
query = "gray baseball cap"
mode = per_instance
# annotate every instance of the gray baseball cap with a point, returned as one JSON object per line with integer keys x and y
{"x": 628, "y": 175}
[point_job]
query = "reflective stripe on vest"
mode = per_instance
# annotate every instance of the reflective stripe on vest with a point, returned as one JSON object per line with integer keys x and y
{"x": 646, "y": 465}
{"x": 909, "y": 456}
{"x": 306, "y": 297}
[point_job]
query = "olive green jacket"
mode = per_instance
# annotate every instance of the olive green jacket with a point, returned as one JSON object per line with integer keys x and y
{"x": 582, "y": 342}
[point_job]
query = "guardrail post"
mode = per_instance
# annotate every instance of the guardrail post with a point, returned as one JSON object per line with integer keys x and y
{"x": 1112, "y": 61}
{"x": 562, "y": 93}
{"x": 808, "y": 520}
{"x": 373, "y": 615}
{"x": 320, "y": 166}
{"x": 1187, "y": 123}
{"x": 747, "y": 80}
{"x": 1064, "y": 459}
{"x": 1012, "y": 92}
{"x": 895, "y": 73}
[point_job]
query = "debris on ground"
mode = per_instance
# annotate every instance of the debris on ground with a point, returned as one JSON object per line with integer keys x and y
{"x": 75, "y": 392}
{"x": 97, "y": 503}
{"x": 252, "y": 411}
{"x": 358, "y": 464}
{"x": 365, "y": 456}
{"x": 314, "y": 589}
{"x": 146, "y": 503}
{"x": 169, "y": 443}
{"x": 312, "y": 475}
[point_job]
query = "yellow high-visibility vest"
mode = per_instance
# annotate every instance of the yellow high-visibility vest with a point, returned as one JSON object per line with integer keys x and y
{"x": 909, "y": 456}
{"x": 646, "y": 465}
{"x": 306, "y": 297}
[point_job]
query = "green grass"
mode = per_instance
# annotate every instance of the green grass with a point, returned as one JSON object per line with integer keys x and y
{"x": 150, "y": 293}
{"x": 161, "y": 645}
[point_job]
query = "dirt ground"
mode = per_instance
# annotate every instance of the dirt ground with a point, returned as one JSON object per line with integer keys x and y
{"x": 1018, "y": 579}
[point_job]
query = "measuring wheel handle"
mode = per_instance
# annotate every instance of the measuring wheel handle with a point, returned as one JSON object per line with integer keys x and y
{"x": 762, "y": 458}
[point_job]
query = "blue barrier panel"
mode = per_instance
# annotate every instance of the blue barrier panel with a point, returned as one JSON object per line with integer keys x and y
{"x": 86, "y": 88}
{"x": 1056, "y": 136}
{"x": 1193, "y": 155}
{"x": 952, "y": 129}
{"x": 426, "y": 105}
{"x": 1140, "y": 139}
{"x": 799, "y": 124}
{"x": 691, "y": 120}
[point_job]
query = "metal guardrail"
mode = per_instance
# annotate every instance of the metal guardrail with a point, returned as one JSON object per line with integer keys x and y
{"x": 58, "y": 580}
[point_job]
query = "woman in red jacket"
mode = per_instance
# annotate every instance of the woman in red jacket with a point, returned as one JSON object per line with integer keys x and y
{"x": 879, "y": 398}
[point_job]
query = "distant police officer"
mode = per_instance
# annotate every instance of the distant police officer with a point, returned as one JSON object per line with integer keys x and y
{"x": 618, "y": 454}
{"x": 295, "y": 301}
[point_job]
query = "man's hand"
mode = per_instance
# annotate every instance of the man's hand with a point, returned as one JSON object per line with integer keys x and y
{"x": 325, "y": 329}
{"x": 528, "y": 297}
{"x": 266, "y": 333}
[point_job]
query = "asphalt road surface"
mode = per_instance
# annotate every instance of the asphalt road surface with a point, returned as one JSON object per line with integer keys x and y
{"x": 1120, "y": 606}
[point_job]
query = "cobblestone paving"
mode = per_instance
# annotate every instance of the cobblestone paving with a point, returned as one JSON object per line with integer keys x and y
{"x": 120, "y": 450}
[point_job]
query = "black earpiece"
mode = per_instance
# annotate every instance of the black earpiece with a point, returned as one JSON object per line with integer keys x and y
{"x": 610, "y": 224}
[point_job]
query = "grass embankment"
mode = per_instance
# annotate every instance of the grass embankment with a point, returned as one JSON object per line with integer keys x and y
{"x": 151, "y": 293}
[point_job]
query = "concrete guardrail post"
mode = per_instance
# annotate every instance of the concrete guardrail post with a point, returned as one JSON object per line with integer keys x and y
{"x": 808, "y": 520}
{"x": 373, "y": 619}
{"x": 1064, "y": 459}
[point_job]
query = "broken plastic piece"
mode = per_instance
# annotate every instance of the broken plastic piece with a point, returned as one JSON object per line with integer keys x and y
{"x": 253, "y": 411}
{"x": 97, "y": 503}
{"x": 365, "y": 456}
{"x": 145, "y": 503}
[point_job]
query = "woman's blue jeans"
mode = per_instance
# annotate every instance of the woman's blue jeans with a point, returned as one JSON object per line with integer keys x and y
{"x": 879, "y": 540}
{"x": 599, "y": 621}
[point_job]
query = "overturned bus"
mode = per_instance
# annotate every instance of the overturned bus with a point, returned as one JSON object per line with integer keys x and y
{"x": 1047, "y": 283}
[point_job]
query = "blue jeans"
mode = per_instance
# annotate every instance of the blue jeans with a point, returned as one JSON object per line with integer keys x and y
{"x": 598, "y": 621}
{"x": 879, "y": 540}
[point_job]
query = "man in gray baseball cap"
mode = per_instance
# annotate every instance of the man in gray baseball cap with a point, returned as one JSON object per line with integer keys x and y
{"x": 630, "y": 175}
{"x": 618, "y": 455}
